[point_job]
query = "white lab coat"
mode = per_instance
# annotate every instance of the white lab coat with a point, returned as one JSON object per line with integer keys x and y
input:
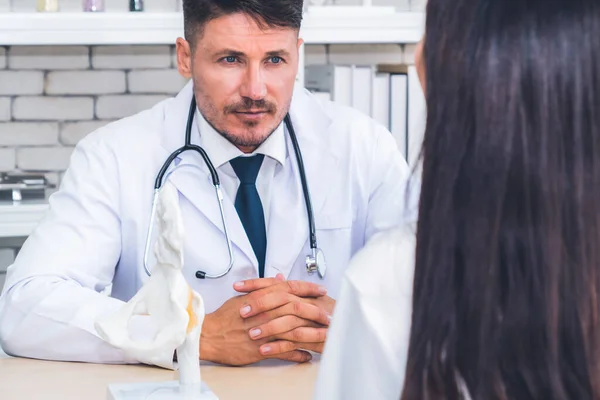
{"x": 367, "y": 343}
{"x": 95, "y": 230}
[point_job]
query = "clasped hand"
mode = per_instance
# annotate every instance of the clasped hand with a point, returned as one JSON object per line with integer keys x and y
{"x": 274, "y": 318}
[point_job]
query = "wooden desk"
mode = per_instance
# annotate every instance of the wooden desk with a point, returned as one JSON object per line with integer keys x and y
{"x": 24, "y": 379}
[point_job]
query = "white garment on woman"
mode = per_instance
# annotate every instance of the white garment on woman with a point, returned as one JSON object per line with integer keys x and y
{"x": 367, "y": 345}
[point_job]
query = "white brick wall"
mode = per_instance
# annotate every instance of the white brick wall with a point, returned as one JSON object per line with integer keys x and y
{"x": 21, "y": 82}
{"x": 4, "y": 108}
{"x": 113, "y": 107}
{"x": 7, "y": 159}
{"x": 73, "y": 132}
{"x": 53, "y": 96}
{"x": 48, "y": 57}
{"x": 53, "y": 108}
{"x": 43, "y": 158}
{"x": 28, "y": 133}
{"x": 85, "y": 82}
{"x": 155, "y": 81}
{"x": 124, "y": 57}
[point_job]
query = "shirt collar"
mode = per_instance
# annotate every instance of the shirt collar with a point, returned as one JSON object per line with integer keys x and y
{"x": 221, "y": 151}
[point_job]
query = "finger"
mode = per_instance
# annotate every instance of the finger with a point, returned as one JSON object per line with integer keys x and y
{"x": 298, "y": 356}
{"x": 314, "y": 347}
{"x": 304, "y": 334}
{"x": 277, "y": 326}
{"x": 302, "y": 314}
{"x": 277, "y": 347}
{"x": 297, "y": 288}
{"x": 304, "y": 289}
{"x": 251, "y": 285}
{"x": 261, "y": 302}
{"x": 304, "y": 309}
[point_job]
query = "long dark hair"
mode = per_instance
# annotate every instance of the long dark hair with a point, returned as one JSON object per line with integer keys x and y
{"x": 506, "y": 292}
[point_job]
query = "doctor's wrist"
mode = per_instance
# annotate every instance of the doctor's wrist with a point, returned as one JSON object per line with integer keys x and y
{"x": 207, "y": 351}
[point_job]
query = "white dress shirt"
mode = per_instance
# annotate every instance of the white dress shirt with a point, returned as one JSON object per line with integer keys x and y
{"x": 367, "y": 344}
{"x": 221, "y": 151}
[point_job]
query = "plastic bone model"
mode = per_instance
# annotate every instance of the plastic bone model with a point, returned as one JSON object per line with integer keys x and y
{"x": 166, "y": 298}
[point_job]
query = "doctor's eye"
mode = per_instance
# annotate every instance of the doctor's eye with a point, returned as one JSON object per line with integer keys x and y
{"x": 230, "y": 59}
{"x": 275, "y": 60}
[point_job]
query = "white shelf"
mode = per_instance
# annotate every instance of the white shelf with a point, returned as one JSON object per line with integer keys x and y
{"x": 404, "y": 27}
{"x": 20, "y": 219}
{"x": 164, "y": 28}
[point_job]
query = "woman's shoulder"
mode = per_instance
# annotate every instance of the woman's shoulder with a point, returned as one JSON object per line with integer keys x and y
{"x": 385, "y": 265}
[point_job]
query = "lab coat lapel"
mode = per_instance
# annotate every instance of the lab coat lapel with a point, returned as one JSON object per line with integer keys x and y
{"x": 287, "y": 233}
{"x": 193, "y": 179}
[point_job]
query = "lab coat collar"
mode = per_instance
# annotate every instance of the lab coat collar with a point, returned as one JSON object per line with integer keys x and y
{"x": 311, "y": 124}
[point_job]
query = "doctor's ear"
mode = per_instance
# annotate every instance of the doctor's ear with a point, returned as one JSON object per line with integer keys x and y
{"x": 184, "y": 58}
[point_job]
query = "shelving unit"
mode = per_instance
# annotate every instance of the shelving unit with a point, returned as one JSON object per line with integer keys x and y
{"x": 164, "y": 28}
{"x": 19, "y": 219}
{"x": 41, "y": 29}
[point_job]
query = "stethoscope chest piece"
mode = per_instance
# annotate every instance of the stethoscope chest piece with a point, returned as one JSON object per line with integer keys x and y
{"x": 316, "y": 263}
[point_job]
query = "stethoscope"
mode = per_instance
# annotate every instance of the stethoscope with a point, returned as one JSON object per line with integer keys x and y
{"x": 315, "y": 262}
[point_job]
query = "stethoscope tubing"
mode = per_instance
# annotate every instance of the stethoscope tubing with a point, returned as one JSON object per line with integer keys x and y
{"x": 162, "y": 176}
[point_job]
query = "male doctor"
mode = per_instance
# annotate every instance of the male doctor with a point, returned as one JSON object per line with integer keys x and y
{"x": 242, "y": 58}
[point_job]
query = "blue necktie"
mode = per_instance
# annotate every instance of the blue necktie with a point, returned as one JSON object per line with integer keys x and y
{"x": 249, "y": 206}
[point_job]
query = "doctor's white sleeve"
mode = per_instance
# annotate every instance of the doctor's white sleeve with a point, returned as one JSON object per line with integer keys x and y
{"x": 51, "y": 298}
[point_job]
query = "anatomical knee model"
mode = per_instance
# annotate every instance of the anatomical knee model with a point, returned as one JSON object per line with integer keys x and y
{"x": 166, "y": 298}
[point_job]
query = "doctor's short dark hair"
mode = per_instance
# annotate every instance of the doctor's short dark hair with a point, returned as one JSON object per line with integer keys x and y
{"x": 267, "y": 13}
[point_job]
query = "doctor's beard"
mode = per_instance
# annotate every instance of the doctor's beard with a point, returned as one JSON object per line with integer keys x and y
{"x": 248, "y": 139}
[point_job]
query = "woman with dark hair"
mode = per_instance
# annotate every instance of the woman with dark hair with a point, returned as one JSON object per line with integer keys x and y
{"x": 505, "y": 301}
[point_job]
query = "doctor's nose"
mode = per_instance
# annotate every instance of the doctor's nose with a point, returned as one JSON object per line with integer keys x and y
{"x": 254, "y": 86}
